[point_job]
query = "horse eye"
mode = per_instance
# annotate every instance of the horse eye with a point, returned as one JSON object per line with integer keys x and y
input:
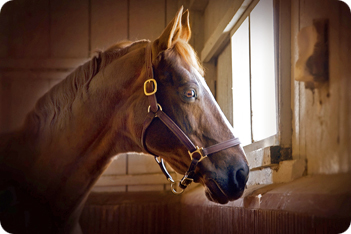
{"x": 190, "y": 93}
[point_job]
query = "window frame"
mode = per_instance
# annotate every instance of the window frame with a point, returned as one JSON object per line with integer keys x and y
{"x": 220, "y": 39}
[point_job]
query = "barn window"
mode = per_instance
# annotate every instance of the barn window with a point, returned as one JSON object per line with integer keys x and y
{"x": 250, "y": 51}
{"x": 253, "y": 72}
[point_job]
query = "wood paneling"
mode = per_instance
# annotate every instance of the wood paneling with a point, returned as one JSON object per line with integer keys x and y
{"x": 171, "y": 10}
{"x": 315, "y": 204}
{"x": 5, "y": 106}
{"x": 109, "y": 23}
{"x": 197, "y": 32}
{"x": 344, "y": 126}
{"x": 142, "y": 164}
{"x": 213, "y": 15}
{"x": 224, "y": 83}
{"x": 69, "y": 28}
{"x": 147, "y": 19}
{"x": 28, "y": 17}
{"x": 5, "y": 20}
{"x": 323, "y": 120}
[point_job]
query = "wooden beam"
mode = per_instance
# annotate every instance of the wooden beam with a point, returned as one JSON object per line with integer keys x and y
{"x": 221, "y": 35}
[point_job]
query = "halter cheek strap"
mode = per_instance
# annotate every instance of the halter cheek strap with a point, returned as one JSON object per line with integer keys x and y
{"x": 155, "y": 111}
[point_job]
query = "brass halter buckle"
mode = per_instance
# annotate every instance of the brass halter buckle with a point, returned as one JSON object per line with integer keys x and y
{"x": 145, "y": 87}
{"x": 198, "y": 153}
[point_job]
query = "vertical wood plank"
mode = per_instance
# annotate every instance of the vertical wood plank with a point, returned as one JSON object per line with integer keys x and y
{"x": 211, "y": 76}
{"x": 5, "y": 106}
{"x": 344, "y": 138}
{"x": 5, "y": 20}
{"x": 284, "y": 62}
{"x": 197, "y": 32}
{"x": 69, "y": 32}
{"x": 224, "y": 83}
{"x": 146, "y": 19}
{"x": 109, "y": 23}
{"x": 321, "y": 109}
{"x": 213, "y": 15}
{"x": 171, "y": 10}
{"x": 29, "y": 29}
{"x": 302, "y": 92}
{"x": 142, "y": 164}
{"x": 329, "y": 97}
{"x": 295, "y": 95}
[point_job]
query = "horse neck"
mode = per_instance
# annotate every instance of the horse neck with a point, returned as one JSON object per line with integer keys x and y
{"x": 61, "y": 160}
{"x": 99, "y": 104}
{"x": 107, "y": 109}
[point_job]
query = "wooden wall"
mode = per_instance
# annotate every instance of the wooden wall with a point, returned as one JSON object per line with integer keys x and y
{"x": 42, "y": 41}
{"x": 321, "y": 117}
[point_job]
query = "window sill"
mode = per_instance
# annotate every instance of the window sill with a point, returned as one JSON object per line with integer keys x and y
{"x": 270, "y": 163}
{"x": 269, "y": 141}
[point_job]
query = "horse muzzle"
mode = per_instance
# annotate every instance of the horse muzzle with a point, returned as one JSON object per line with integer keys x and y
{"x": 222, "y": 186}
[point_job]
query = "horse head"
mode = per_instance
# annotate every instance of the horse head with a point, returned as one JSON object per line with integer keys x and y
{"x": 184, "y": 96}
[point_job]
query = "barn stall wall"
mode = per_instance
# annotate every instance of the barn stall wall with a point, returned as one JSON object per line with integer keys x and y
{"x": 321, "y": 116}
{"x": 42, "y": 41}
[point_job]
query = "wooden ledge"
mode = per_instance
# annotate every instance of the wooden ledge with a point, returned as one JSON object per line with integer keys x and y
{"x": 311, "y": 204}
{"x": 117, "y": 198}
{"x": 319, "y": 195}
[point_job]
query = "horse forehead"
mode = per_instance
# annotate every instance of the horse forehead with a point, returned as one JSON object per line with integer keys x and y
{"x": 190, "y": 74}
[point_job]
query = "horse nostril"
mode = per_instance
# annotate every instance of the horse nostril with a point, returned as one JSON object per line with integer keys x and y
{"x": 241, "y": 177}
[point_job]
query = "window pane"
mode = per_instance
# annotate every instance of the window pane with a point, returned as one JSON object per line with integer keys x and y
{"x": 262, "y": 71}
{"x": 241, "y": 83}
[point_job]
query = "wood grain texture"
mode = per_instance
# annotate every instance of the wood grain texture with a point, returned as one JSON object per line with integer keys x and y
{"x": 224, "y": 83}
{"x": 69, "y": 28}
{"x": 146, "y": 19}
{"x": 323, "y": 129}
{"x": 109, "y": 23}
{"x": 21, "y": 20}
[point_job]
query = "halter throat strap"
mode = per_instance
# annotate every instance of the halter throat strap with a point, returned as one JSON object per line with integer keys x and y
{"x": 155, "y": 111}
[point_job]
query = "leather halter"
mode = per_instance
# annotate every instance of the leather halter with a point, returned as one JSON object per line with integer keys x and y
{"x": 155, "y": 111}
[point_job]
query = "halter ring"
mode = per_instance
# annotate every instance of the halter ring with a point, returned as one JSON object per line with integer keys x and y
{"x": 174, "y": 186}
{"x": 159, "y": 108}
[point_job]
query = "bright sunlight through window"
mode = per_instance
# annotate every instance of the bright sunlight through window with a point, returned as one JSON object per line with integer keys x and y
{"x": 254, "y": 81}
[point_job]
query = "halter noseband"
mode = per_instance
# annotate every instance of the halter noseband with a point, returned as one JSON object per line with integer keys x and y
{"x": 155, "y": 111}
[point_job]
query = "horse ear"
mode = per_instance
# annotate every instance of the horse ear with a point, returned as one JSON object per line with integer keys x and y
{"x": 179, "y": 27}
{"x": 185, "y": 32}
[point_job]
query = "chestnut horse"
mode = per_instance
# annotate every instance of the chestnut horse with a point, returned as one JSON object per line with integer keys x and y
{"x": 49, "y": 166}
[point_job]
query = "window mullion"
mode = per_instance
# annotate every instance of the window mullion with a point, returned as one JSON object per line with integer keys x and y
{"x": 250, "y": 76}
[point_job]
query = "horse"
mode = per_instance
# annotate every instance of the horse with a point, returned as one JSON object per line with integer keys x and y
{"x": 136, "y": 96}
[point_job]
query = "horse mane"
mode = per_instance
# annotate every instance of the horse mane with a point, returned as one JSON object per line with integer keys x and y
{"x": 184, "y": 50}
{"x": 58, "y": 100}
